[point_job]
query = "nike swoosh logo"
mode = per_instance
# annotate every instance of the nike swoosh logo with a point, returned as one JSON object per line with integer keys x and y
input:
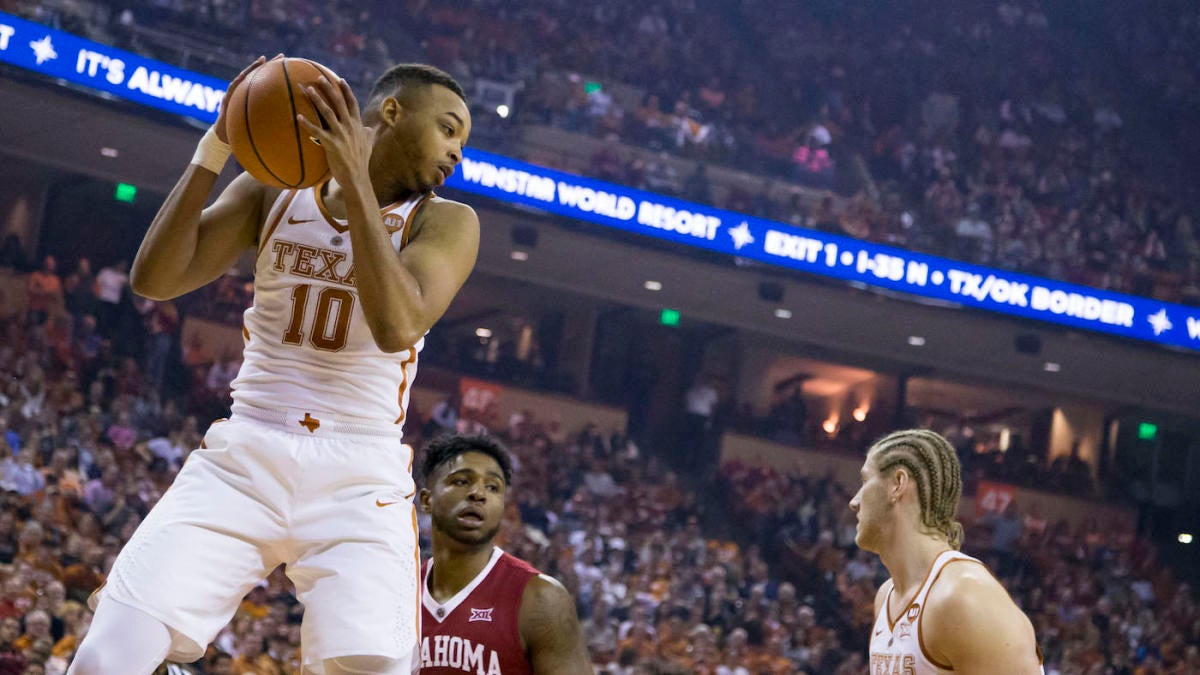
{"x": 383, "y": 504}
{"x": 878, "y": 632}
{"x": 292, "y": 220}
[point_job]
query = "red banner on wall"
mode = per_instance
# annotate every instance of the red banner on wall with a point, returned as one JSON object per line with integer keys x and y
{"x": 993, "y": 497}
{"x": 478, "y": 395}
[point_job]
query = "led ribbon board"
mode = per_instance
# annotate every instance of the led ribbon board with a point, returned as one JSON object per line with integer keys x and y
{"x": 174, "y": 90}
{"x": 827, "y": 255}
{"x": 114, "y": 71}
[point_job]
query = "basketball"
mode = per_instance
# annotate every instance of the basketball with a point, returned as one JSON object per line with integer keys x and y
{"x": 262, "y": 129}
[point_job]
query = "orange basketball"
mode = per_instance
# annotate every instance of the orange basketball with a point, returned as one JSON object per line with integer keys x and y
{"x": 261, "y": 124}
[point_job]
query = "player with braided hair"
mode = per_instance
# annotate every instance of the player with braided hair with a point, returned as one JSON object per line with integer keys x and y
{"x": 932, "y": 615}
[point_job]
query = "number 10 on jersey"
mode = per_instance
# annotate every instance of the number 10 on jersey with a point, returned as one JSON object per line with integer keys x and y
{"x": 329, "y": 326}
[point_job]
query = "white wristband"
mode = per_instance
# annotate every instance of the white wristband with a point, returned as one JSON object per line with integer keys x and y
{"x": 212, "y": 152}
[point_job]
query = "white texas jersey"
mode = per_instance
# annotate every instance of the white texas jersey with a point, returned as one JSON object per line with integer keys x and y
{"x": 308, "y": 346}
{"x": 896, "y": 646}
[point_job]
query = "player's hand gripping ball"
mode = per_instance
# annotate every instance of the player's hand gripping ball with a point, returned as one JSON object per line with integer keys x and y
{"x": 260, "y": 122}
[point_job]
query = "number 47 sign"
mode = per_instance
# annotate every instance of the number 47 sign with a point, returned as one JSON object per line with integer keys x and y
{"x": 478, "y": 394}
{"x": 993, "y": 497}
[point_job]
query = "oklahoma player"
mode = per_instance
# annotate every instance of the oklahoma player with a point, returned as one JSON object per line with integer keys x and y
{"x": 485, "y": 611}
{"x": 311, "y": 470}
{"x": 934, "y": 615}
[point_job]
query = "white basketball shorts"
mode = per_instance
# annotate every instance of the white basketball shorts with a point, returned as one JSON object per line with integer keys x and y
{"x": 330, "y": 499}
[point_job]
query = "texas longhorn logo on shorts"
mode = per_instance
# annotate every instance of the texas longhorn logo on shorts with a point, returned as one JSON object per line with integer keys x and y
{"x": 309, "y": 422}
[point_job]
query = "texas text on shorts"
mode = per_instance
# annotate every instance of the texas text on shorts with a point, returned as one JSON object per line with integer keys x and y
{"x": 310, "y": 471}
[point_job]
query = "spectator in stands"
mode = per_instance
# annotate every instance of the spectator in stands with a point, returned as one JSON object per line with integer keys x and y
{"x": 787, "y": 418}
{"x": 86, "y": 346}
{"x": 599, "y": 482}
{"x": 1006, "y": 534}
{"x": 661, "y": 175}
{"x": 445, "y": 415}
{"x": 110, "y": 286}
{"x": 162, "y": 320}
{"x": 45, "y": 292}
{"x": 37, "y": 627}
{"x": 100, "y": 494}
{"x": 18, "y": 474}
{"x": 79, "y": 289}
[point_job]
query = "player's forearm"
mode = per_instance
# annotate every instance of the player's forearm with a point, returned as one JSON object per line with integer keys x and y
{"x": 390, "y": 295}
{"x": 160, "y": 270}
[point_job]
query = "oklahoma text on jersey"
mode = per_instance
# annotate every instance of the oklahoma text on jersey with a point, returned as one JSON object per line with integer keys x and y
{"x": 478, "y": 630}
{"x": 455, "y": 652}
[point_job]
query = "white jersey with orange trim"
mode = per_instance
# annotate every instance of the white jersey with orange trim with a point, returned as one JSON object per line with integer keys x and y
{"x": 896, "y": 645}
{"x": 308, "y": 345}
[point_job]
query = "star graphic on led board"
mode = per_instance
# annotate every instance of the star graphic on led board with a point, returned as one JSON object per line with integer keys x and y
{"x": 43, "y": 50}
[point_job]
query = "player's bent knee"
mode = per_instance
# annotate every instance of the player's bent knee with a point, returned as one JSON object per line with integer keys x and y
{"x": 122, "y": 639}
{"x": 364, "y": 665}
{"x": 94, "y": 659}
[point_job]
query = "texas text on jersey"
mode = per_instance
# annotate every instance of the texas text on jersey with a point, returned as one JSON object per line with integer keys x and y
{"x": 308, "y": 345}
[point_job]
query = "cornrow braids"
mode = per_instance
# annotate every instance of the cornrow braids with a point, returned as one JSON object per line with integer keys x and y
{"x": 933, "y": 465}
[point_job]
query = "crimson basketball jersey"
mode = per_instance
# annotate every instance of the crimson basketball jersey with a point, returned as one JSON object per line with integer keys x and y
{"x": 477, "y": 630}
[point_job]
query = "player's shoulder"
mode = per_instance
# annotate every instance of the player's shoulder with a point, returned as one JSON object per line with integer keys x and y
{"x": 544, "y": 596}
{"x": 965, "y": 593}
{"x": 970, "y": 619}
{"x": 513, "y": 562}
{"x": 442, "y": 209}
{"x": 440, "y": 219}
{"x": 964, "y": 576}
{"x": 245, "y": 191}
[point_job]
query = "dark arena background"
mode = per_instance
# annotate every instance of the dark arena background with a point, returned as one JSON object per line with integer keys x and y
{"x": 725, "y": 245}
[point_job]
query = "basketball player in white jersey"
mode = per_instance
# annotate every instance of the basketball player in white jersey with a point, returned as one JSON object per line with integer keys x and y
{"x": 941, "y": 611}
{"x": 310, "y": 471}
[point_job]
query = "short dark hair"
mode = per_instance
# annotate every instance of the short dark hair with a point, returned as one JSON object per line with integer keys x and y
{"x": 445, "y": 448}
{"x": 400, "y": 75}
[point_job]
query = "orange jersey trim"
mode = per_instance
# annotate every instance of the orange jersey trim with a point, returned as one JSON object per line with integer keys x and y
{"x": 412, "y": 217}
{"x": 887, "y": 606}
{"x": 417, "y": 562}
{"x": 274, "y": 223}
{"x": 319, "y": 188}
{"x": 412, "y": 356}
{"x": 921, "y": 616}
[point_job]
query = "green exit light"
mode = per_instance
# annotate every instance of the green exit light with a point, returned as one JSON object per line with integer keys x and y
{"x": 125, "y": 193}
{"x": 589, "y": 87}
{"x": 669, "y": 317}
{"x": 1147, "y": 431}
